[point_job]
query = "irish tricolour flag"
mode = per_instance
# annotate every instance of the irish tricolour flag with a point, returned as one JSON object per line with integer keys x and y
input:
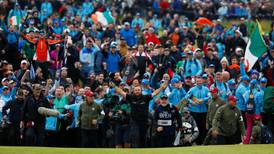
{"x": 105, "y": 18}
{"x": 15, "y": 20}
{"x": 255, "y": 47}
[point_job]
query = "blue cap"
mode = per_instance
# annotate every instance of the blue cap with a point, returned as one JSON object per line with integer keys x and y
{"x": 245, "y": 78}
{"x": 189, "y": 52}
{"x": 5, "y": 87}
{"x": 253, "y": 82}
{"x": 205, "y": 76}
{"x": 263, "y": 80}
{"x": 231, "y": 82}
{"x": 175, "y": 80}
{"x": 177, "y": 76}
{"x": 183, "y": 54}
{"x": 145, "y": 82}
{"x": 50, "y": 96}
{"x": 254, "y": 72}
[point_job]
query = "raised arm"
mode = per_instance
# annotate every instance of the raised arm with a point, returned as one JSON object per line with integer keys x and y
{"x": 118, "y": 90}
{"x": 157, "y": 91}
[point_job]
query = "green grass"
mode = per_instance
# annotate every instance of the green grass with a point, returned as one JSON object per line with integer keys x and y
{"x": 233, "y": 149}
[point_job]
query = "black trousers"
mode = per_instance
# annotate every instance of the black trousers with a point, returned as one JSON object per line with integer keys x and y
{"x": 164, "y": 140}
{"x": 14, "y": 135}
{"x": 138, "y": 133}
{"x": 89, "y": 138}
{"x": 223, "y": 140}
{"x": 200, "y": 119}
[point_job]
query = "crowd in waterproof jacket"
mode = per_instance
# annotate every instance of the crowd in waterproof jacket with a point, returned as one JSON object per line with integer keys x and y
{"x": 134, "y": 73}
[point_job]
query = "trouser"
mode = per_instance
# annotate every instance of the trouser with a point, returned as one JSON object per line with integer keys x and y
{"x": 200, "y": 119}
{"x": 209, "y": 139}
{"x": 244, "y": 117}
{"x": 73, "y": 137}
{"x": 121, "y": 134}
{"x": 138, "y": 133}
{"x": 89, "y": 137}
{"x": 35, "y": 136}
{"x": 164, "y": 140}
{"x": 268, "y": 120}
{"x": 249, "y": 124}
{"x": 14, "y": 135}
{"x": 51, "y": 139}
{"x": 223, "y": 140}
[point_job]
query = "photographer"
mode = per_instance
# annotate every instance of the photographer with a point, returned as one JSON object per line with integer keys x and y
{"x": 120, "y": 116}
{"x": 190, "y": 130}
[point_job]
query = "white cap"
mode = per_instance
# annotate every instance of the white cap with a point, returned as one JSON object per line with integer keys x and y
{"x": 4, "y": 79}
{"x": 150, "y": 43}
{"x": 64, "y": 68}
{"x": 127, "y": 23}
{"x": 24, "y": 61}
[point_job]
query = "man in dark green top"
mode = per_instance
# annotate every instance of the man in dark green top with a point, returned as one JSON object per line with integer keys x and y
{"x": 214, "y": 104}
{"x": 89, "y": 114}
{"x": 227, "y": 120}
{"x": 256, "y": 131}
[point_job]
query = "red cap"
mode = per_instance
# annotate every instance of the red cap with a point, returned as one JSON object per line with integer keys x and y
{"x": 257, "y": 117}
{"x": 214, "y": 90}
{"x": 89, "y": 94}
{"x": 232, "y": 98}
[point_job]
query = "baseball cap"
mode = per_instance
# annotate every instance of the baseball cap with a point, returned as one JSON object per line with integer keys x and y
{"x": 254, "y": 72}
{"x": 122, "y": 83}
{"x": 232, "y": 98}
{"x": 11, "y": 81}
{"x": 214, "y": 90}
{"x": 205, "y": 76}
{"x": 150, "y": 43}
{"x": 64, "y": 68}
{"x": 263, "y": 80}
{"x": 145, "y": 82}
{"x": 24, "y": 61}
{"x": 5, "y": 87}
{"x": 127, "y": 23}
{"x": 175, "y": 80}
{"x": 147, "y": 75}
{"x": 186, "y": 110}
{"x": 113, "y": 45}
{"x": 189, "y": 52}
{"x": 257, "y": 117}
{"x": 245, "y": 78}
{"x": 253, "y": 82}
{"x": 211, "y": 65}
{"x": 89, "y": 94}
{"x": 183, "y": 55}
{"x": 231, "y": 82}
{"x": 164, "y": 96}
{"x": 50, "y": 96}
{"x": 5, "y": 79}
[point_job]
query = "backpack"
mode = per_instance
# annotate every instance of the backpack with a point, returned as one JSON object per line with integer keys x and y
{"x": 215, "y": 85}
{"x": 266, "y": 135}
